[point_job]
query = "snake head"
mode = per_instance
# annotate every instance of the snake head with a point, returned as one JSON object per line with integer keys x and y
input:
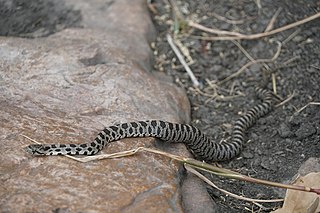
{"x": 35, "y": 149}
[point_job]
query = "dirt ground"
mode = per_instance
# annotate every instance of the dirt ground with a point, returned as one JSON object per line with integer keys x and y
{"x": 280, "y": 142}
{"x": 36, "y": 18}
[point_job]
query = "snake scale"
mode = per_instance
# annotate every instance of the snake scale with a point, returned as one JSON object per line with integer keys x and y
{"x": 201, "y": 146}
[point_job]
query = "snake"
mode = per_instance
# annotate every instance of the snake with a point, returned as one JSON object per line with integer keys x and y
{"x": 200, "y": 145}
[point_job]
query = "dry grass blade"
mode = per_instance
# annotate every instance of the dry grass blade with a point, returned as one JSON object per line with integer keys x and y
{"x": 286, "y": 100}
{"x": 272, "y": 21}
{"x": 243, "y": 50}
{"x": 221, "y": 18}
{"x": 195, "y": 172}
{"x": 214, "y": 31}
{"x": 182, "y": 61}
{"x": 105, "y": 156}
{"x": 34, "y": 141}
{"x": 195, "y": 164}
{"x": 302, "y": 108}
{"x": 243, "y": 68}
{"x": 274, "y": 83}
{"x": 236, "y": 35}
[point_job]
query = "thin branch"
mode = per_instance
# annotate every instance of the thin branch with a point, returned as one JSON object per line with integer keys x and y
{"x": 195, "y": 164}
{"x": 286, "y": 100}
{"x": 274, "y": 83}
{"x": 242, "y": 50}
{"x": 195, "y": 172}
{"x": 182, "y": 61}
{"x": 243, "y": 68}
{"x": 221, "y": 18}
{"x": 214, "y": 31}
{"x": 273, "y": 19}
{"x": 34, "y": 141}
{"x": 302, "y": 108}
{"x": 235, "y": 175}
{"x": 291, "y": 36}
{"x": 236, "y": 35}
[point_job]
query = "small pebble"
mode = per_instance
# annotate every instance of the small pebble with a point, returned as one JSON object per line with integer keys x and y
{"x": 284, "y": 131}
{"x": 247, "y": 155}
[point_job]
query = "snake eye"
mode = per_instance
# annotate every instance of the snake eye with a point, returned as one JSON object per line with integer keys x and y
{"x": 34, "y": 149}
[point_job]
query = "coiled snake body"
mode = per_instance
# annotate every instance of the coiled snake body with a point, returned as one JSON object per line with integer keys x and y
{"x": 202, "y": 147}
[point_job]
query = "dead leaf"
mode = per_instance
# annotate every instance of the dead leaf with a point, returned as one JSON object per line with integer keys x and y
{"x": 302, "y": 202}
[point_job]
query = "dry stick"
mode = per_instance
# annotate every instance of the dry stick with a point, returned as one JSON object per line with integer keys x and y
{"x": 286, "y": 100}
{"x": 185, "y": 51}
{"x": 276, "y": 55}
{"x": 314, "y": 66}
{"x": 302, "y": 108}
{"x": 258, "y": 3}
{"x": 235, "y": 35}
{"x": 291, "y": 36}
{"x": 30, "y": 139}
{"x": 246, "y": 53}
{"x": 242, "y": 50}
{"x": 273, "y": 19}
{"x": 176, "y": 10}
{"x": 234, "y": 175}
{"x": 264, "y": 64}
{"x": 221, "y": 18}
{"x": 199, "y": 165}
{"x": 106, "y": 156}
{"x": 269, "y": 28}
{"x": 182, "y": 61}
{"x": 274, "y": 83}
{"x": 195, "y": 172}
{"x": 310, "y": 103}
{"x": 193, "y": 163}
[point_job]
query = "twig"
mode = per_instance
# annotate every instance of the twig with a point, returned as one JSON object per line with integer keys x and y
{"x": 291, "y": 60}
{"x": 302, "y": 108}
{"x": 258, "y": 3}
{"x": 274, "y": 83}
{"x": 236, "y": 35}
{"x": 314, "y": 66}
{"x": 215, "y": 95}
{"x": 310, "y": 103}
{"x": 291, "y": 36}
{"x": 195, "y": 172}
{"x": 106, "y": 156}
{"x": 182, "y": 61}
{"x": 276, "y": 55}
{"x": 273, "y": 19}
{"x": 184, "y": 51}
{"x": 201, "y": 166}
{"x": 34, "y": 141}
{"x": 195, "y": 164}
{"x": 242, "y": 50}
{"x": 234, "y": 175}
{"x": 221, "y": 18}
{"x": 286, "y": 100}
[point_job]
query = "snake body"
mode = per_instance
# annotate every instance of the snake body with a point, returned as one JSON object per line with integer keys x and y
{"x": 201, "y": 146}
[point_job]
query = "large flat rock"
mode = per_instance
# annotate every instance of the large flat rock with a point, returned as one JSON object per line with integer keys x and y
{"x": 65, "y": 88}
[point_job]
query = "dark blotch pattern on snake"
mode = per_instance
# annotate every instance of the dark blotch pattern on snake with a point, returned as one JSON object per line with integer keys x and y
{"x": 201, "y": 146}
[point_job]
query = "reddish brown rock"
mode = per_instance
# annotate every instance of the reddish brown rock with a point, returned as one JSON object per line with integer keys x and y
{"x": 64, "y": 89}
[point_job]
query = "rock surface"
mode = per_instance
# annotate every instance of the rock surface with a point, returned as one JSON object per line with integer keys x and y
{"x": 66, "y": 87}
